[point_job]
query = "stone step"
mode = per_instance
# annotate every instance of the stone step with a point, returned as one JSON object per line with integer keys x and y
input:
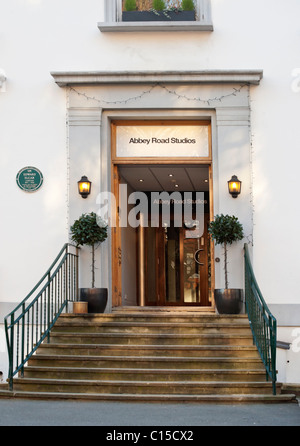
{"x": 142, "y": 387}
{"x": 107, "y": 374}
{"x": 149, "y": 355}
{"x": 151, "y": 339}
{"x": 149, "y": 350}
{"x": 154, "y": 328}
{"x": 134, "y": 397}
{"x": 146, "y": 362}
{"x": 156, "y": 317}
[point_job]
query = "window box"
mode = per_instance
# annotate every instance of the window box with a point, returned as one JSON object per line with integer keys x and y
{"x": 158, "y": 16}
{"x": 116, "y": 21}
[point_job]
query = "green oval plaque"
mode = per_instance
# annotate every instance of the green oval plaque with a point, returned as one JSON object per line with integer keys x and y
{"x": 29, "y": 179}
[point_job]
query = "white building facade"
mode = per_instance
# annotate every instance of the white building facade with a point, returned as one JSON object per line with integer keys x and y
{"x": 74, "y": 75}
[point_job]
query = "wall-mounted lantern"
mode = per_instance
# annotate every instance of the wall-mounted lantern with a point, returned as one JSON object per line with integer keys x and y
{"x": 84, "y": 187}
{"x": 234, "y": 186}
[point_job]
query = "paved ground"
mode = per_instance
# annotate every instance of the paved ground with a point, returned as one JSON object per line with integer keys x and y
{"x": 57, "y": 413}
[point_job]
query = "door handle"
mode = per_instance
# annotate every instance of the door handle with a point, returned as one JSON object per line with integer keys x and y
{"x": 196, "y": 257}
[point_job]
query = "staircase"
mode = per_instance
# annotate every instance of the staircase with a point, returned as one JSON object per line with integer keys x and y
{"x": 137, "y": 354}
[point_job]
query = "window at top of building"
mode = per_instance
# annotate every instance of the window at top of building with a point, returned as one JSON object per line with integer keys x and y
{"x": 157, "y": 15}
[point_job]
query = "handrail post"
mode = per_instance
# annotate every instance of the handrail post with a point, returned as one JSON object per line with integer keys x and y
{"x": 23, "y": 340}
{"x": 273, "y": 353}
{"x": 48, "y": 309}
{"x": 11, "y": 352}
{"x": 77, "y": 273}
{"x": 67, "y": 276}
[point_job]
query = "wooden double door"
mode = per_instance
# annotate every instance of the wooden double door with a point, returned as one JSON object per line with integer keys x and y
{"x": 176, "y": 264}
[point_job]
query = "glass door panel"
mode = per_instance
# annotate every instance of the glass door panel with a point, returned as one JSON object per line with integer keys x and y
{"x": 172, "y": 265}
{"x": 196, "y": 265}
{"x": 151, "y": 262}
{"x": 177, "y": 266}
{"x": 194, "y": 259}
{"x": 192, "y": 273}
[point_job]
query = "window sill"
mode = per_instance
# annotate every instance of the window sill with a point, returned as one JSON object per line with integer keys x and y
{"x": 154, "y": 26}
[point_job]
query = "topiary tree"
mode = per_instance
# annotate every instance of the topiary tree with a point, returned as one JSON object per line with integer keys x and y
{"x": 130, "y": 5}
{"x": 225, "y": 230}
{"x": 89, "y": 230}
{"x": 188, "y": 5}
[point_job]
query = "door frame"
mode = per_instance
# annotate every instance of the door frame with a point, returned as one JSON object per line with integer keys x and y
{"x": 115, "y": 182}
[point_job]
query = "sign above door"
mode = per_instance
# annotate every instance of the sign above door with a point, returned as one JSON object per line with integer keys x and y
{"x": 164, "y": 140}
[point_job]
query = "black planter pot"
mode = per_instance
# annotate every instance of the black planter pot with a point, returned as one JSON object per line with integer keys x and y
{"x": 159, "y": 16}
{"x": 229, "y": 301}
{"x": 95, "y": 297}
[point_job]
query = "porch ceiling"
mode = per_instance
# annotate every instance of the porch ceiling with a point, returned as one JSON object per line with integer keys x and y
{"x": 158, "y": 178}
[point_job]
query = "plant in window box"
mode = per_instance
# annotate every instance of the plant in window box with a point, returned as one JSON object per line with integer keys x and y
{"x": 225, "y": 230}
{"x": 90, "y": 230}
{"x": 161, "y": 10}
{"x": 188, "y": 5}
{"x": 130, "y": 5}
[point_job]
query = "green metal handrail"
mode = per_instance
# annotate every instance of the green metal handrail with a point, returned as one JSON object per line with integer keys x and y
{"x": 263, "y": 323}
{"x": 30, "y": 323}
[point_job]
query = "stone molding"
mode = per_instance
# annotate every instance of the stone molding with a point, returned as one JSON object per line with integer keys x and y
{"x": 234, "y": 116}
{"x": 84, "y": 116}
{"x": 68, "y": 78}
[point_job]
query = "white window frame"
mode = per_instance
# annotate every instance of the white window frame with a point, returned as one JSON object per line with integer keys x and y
{"x": 113, "y": 20}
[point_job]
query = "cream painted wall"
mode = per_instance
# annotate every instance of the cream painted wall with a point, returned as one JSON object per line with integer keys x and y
{"x": 39, "y": 36}
{"x": 288, "y": 361}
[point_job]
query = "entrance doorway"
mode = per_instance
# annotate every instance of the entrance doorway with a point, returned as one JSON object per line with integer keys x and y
{"x": 165, "y": 263}
{"x": 161, "y": 262}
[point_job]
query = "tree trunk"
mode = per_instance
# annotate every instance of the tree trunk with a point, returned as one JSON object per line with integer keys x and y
{"x": 225, "y": 265}
{"x": 93, "y": 266}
